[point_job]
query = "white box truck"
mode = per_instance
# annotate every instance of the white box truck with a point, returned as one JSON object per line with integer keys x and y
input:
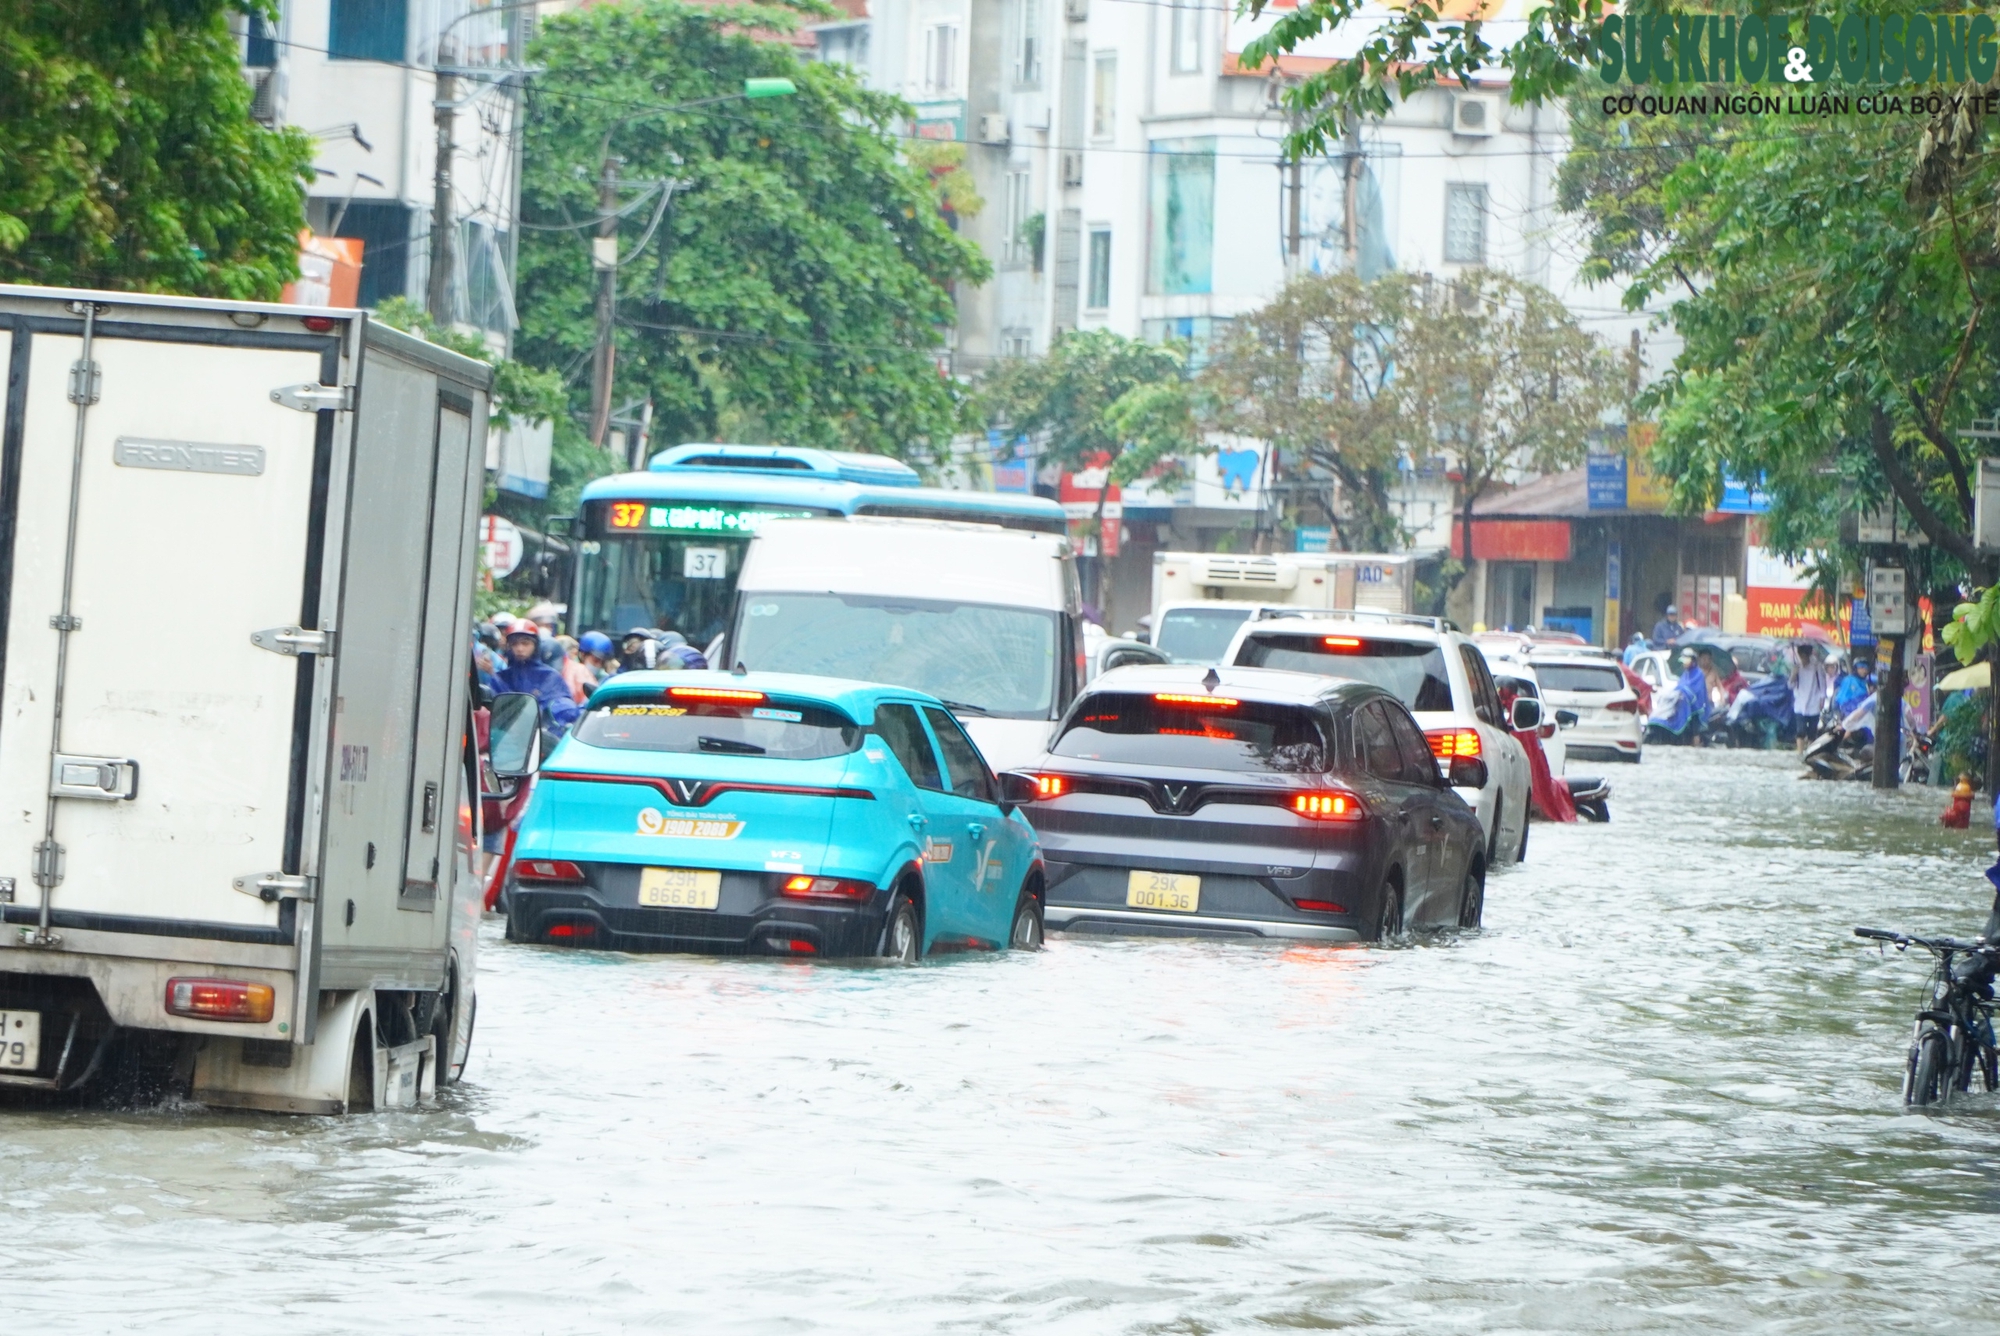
{"x": 237, "y": 799}
{"x": 1201, "y": 598}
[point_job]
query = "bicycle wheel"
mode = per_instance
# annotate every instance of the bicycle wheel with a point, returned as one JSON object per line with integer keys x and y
{"x": 1925, "y": 1080}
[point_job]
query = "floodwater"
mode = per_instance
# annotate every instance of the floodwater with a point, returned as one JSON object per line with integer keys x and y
{"x": 1659, "y": 1092}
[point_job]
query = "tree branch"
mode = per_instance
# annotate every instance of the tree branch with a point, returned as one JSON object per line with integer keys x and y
{"x": 1934, "y": 433}
{"x": 1881, "y": 437}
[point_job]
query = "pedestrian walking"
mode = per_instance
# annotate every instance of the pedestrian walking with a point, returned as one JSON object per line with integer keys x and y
{"x": 1809, "y": 692}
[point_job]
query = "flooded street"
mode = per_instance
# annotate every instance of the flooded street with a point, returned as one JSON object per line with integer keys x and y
{"x": 1659, "y": 1092}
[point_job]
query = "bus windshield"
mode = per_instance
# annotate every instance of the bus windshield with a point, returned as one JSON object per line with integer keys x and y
{"x": 679, "y": 583}
{"x": 998, "y": 661}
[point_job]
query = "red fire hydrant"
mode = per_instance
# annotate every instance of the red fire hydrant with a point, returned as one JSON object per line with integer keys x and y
{"x": 1958, "y": 816}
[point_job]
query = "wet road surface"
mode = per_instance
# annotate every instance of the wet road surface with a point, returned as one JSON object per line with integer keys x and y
{"x": 1659, "y": 1092}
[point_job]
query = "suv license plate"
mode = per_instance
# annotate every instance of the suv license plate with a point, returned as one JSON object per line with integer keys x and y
{"x": 20, "y": 1040}
{"x": 1177, "y": 892}
{"x": 679, "y": 888}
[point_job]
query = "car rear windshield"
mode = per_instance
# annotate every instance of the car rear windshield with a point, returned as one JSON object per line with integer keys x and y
{"x": 1211, "y": 733}
{"x": 1413, "y": 671}
{"x": 784, "y": 730}
{"x": 1198, "y": 635}
{"x": 1580, "y": 677}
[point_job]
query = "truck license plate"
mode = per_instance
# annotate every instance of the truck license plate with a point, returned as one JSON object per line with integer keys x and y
{"x": 1179, "y": 892}
{"x": 20, "y": 1040}
{"x": 679, "y": 888}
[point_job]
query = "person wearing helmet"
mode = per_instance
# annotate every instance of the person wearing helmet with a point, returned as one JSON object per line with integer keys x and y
{"x": 598, "y": 654}
{"x": 674, "y": 653}
{"x": 637, "y": 650}
{"x": 525, "y": 672}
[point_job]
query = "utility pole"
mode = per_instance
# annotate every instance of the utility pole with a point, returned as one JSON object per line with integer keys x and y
{"x": 604, "y": 258}
{"x": 444, "y": 115}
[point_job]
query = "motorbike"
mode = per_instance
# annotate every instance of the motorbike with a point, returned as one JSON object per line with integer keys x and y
{"x": 1761, "y": 715}
{"x": 1591, "y": 794}
{"x": 1679, "y": 715}
{"x": 1850, "y": 754}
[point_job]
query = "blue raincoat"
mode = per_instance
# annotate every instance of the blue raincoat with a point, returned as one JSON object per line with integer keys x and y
{"x": 545, "y": 684}
{"x": 1691, "y": 709}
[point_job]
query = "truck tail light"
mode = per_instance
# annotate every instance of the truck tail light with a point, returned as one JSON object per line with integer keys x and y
{"x": 1329, "y": 805}
{"x": 547, "y": 869}
{"x": 1623, "y": 706}
{"x": 221, "y": 1000}
{"x": 826, "y": 888}
{"x": 1450, "y": 742}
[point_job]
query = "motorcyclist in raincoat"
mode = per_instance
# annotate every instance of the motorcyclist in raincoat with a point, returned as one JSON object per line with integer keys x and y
{"x": 525, "y": 671}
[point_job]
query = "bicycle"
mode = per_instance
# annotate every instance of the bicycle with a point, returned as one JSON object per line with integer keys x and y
{"x": 1954, "y": 1032}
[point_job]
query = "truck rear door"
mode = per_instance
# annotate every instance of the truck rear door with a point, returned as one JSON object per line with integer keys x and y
{"x": 142, "y": 790}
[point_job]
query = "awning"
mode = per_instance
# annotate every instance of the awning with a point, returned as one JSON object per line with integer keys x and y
{"x": 1513, "y": 540}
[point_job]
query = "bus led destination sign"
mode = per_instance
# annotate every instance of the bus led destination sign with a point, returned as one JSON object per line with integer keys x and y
{"x": 672, "y": 517}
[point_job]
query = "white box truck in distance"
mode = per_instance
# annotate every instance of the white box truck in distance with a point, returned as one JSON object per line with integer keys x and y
{"x": 1201, "y": 598}
{"x": 236, "y": 807}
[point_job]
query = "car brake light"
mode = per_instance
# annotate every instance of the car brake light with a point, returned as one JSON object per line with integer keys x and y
{"x": 826, "y": 888}
{"x": 547, "y": 869}
{"x": 1178, "y": 698}
{"x": 1623, "y": 706}
{"x": 1320, "y": 906}
{"x": 1050, "y": 786}
{"x": 1342, "y": 643}
{"x": 221, "y": 1000}
{"x": 572, "y": 930}
{"x": 713, "y": 693}
{"x": 1452, "y": 742}
{"x": 1335, "y": 806}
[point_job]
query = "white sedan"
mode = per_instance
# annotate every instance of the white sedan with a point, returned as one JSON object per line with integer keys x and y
{"x": 1606, "y": 706}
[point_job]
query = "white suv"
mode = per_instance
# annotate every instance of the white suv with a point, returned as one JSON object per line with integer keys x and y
{"x": 1438, "y": 673}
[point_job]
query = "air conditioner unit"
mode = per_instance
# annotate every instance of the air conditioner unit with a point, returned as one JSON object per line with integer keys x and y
{"x": 1475, "y": 116}
{"x": 1076, "y": 11}
{"x": 1072, "y": 168}
{"x": 993, "y": 128}
{"x": 1246, "y": 572}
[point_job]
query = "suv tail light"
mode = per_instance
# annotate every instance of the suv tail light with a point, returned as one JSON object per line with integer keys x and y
{"x": 1623, "y": 706}
{"x": 1329, "y": 805}
{"x": 826, "y": 888}
{"x": 220, "y": 1000}
{"x": 1451, "y": 742}
{"x": 547, "y": 869}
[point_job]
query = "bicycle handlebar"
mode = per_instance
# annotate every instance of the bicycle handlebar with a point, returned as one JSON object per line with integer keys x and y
{"x": 1939, "y": 944}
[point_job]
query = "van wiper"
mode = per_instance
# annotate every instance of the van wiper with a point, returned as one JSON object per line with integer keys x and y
{"x": 730, "y": 745}
{"x": 962, "y": 707}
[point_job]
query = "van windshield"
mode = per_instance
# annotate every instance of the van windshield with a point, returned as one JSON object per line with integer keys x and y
{"x": 1000, "y": 661}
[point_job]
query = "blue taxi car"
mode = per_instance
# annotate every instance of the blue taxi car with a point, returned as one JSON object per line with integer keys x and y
{"x": 776, "y": 814}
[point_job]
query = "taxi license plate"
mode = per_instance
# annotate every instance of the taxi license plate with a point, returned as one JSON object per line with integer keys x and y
{"x": 679, "y": 888}
{"x": 20, "y": 1040}
{"x": 1178, "y": 892}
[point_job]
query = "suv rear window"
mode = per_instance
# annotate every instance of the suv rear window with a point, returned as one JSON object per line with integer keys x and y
{"x": 782, "y": 730}
{"x": 1207, "y": 734}
{"x": 1198, "y": 635}
{"x": 1579, "y": 677}
{"x": 1412, "y": 671}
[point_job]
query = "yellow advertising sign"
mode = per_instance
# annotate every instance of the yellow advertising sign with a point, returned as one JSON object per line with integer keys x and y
{"x": 1644, "y": 489}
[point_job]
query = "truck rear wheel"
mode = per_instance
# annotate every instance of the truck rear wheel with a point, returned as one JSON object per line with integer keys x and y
{"x": 361, "y": 1074}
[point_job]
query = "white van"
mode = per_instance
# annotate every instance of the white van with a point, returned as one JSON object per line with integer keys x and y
{"x": 984, "y": 618}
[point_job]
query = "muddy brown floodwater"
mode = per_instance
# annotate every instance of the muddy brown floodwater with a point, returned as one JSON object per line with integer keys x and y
{"x": 1659, "y": 1092}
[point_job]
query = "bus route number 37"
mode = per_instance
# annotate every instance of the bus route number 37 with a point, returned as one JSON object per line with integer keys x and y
{"x": 704, "y": 563}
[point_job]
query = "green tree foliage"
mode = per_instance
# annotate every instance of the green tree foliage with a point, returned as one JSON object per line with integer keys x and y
{"x": 1347, "y": 377}
{"x": 128, "y": 159}
{"x": 798, "y": 285}
{"x": 1100, "y": 399}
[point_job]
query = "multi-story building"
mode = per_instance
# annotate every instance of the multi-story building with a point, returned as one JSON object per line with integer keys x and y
{"x": 380, "y": 84}
{"x": 1137, "y": 181}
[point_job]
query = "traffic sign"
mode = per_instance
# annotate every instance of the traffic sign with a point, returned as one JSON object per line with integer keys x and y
{"x": 501, "y": 539}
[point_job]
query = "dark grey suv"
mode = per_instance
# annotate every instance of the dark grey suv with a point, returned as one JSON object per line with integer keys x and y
{"x": 1250, "y": 802}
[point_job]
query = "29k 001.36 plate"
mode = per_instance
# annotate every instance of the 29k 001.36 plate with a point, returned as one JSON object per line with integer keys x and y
{"x": 1178, "y": 892}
